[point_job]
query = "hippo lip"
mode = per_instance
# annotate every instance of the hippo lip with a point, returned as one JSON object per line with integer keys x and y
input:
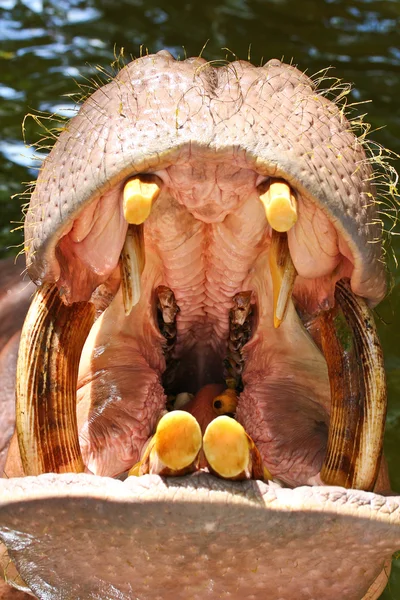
{"x": 60, "y": 247}
{"x": 239, "y": 533}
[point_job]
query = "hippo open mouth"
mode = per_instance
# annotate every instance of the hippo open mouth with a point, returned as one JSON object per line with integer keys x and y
{"x": 218, "y": 227}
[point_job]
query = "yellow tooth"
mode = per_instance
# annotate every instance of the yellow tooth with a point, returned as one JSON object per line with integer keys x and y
{"x": 177, "y": 439}
{"x": 174, "y": 448}
{"x": 283, "y": 275}
{"x": 230, "y": 452}
{"x": 226, "y": 447}
{"x": 139, "y": 195}
{"x": 280, "y": 205}
{"x": 267, "y": 474}
{"x": 225, "y": 403}
{"x": 132, "y": 263}
{"x": 135, "y": 470}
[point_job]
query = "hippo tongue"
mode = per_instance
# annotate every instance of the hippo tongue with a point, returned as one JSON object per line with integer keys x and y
{"x": 80, "y": 536}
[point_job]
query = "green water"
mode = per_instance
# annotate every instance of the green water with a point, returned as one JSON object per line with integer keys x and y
{"x": 45, "y": 47}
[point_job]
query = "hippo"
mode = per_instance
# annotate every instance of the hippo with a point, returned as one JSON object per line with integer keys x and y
{"x": 200, "y": 391}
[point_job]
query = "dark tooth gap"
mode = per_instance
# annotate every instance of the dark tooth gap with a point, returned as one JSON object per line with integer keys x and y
{"x": 240, "y": 332}
{"x": 167, "y": 309}
{"x": 241, "y": 323}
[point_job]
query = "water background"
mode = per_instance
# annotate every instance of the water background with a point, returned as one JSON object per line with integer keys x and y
{"x": 47, "y": 47}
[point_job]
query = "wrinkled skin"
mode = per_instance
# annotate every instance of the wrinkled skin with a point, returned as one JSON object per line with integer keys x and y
{"x": 90, "y": 536}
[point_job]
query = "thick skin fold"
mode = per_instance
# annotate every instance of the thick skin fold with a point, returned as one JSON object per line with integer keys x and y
{"x": 195, "y": 538}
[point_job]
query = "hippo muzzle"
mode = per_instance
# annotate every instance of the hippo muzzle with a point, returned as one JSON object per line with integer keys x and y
{"x": 201, "y": 397}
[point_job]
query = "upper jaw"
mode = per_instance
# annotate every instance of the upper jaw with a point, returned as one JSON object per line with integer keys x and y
{"x": 264, "y": 117}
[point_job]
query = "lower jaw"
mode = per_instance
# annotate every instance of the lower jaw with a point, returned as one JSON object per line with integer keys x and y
{"x": 243, "y": 539}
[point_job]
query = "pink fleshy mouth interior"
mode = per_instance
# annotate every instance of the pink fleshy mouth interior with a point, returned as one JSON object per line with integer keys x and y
{"x": 207, "y": 243}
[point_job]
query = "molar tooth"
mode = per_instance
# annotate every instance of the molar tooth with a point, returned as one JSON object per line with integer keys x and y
{"x": 225, "y": 403}
{"x": 132, "y": 263}
{"x": 358, "y": 392}
{"x": 174, "y": 448}
{"x": 230, "y": 452}
{"x": 283, "y": 275}
{"x": 182, "y": 399}
{"x": 280, "y": 205}
{"x": 47, "y": 372}
{"x": 139, "y": 195}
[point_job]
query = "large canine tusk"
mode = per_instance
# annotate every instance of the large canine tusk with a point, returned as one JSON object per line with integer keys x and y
{"x": 132, "y": 262}
{"x": 358, "y": 390}
{"x": 51, "y": 344}
{"x": 283, "y": 275}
